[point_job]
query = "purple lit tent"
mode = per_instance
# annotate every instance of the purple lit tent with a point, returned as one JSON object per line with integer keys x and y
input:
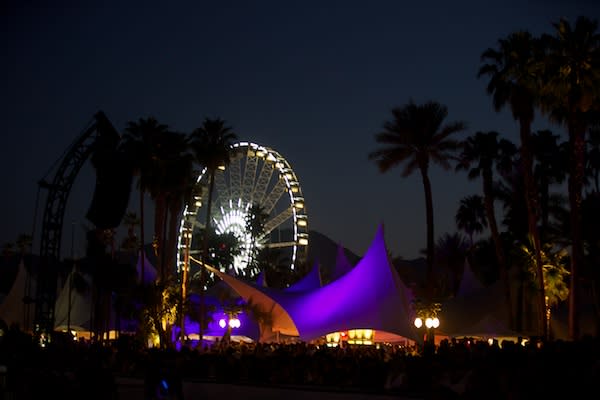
{"x": 371, "y": 296}
{"x": 310, "y": 281}
{"x": 342, "y": 264}
{"x": 149, "y": 269}
{"x": 469, "y": 283}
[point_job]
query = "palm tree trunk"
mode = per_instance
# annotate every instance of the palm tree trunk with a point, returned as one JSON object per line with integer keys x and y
{"x": 491, "y": 217}
{"x": 165, "y": 268}
{"x": 142, "y": 237}
{"x": 205, "y": 253}
{"x": 174, "y": 219}
{"x": 532, "y": 220}
{"x": 576, "y": 138}
{"x": 159, "y": 228}
{"x": 430, "y": 231}
{"x": 184, "y": 279}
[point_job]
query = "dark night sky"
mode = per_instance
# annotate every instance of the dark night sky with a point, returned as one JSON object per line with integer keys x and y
{"x": 313, "y": 80}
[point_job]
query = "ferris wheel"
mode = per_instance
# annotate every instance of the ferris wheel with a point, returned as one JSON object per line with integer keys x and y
{"x": 257, "y": 176}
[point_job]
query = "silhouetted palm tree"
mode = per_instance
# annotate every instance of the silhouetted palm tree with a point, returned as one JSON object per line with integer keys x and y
{"x": 570, "y": 90}
{"x": 480, "y": 154}
{"x": 511, "y": 82}
{"x": 174, "y": 186}
{"x": 450, "y": 254}
{"x": 255, "y": 226}
{"x": 470, "y": 216}
{"x": 593, "y": 160}
{"x": 417, "y": 137}
{"x": 140, "y": 142}
{"x": 212, "y": 145}
{"x": 550, "y": 167}
{"x": 131, "y": 220}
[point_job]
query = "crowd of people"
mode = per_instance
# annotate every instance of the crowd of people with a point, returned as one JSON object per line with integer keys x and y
{"x": 466, "y": 368}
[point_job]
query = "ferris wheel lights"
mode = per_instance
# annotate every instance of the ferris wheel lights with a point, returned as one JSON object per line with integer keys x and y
{"x": 273, "y": 185}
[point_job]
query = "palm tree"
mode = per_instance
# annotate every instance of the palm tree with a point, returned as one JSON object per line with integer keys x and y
{"x": 511, "y": 82}
{"x": 479, "y": 155}
{"x": 131, "y": 220}
{"x": 172, "y": 185}
{"x": 549, "y": 168}
{"x": 570, "y": 90}
{"x": 450, "y": 254}
{"x": 470, "y": 216}
{"x": 211, "y": 143}
{"x": 255, "y": 226}
{"x": 555, "y": 274}
{"x": 417, "y": 137}
{"x": 140, "y": 142}
{"x": 593, "y": 160}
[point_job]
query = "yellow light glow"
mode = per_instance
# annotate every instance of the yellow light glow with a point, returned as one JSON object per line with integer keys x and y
{"x": 368, "y": 333}
{"x": 303, "y": 241}
{"x": 418, "y": 322}
{"x": 351, "y": 334}
{"x": 222, "y": 167}
{"x": 301, "y": 222}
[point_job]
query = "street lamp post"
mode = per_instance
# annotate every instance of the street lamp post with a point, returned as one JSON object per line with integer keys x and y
{"x": 431, "y": 323}
{"x": 232, "y": 322}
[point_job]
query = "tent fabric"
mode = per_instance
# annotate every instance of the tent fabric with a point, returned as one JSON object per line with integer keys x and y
{"x": 248, "y": 328}
{"x": 371, "y": 295}
{"x": 261, "y": 279}
{"x": 462, "y": 312}
{"x": 310, "y": 281}
{"x": 13, "y": 311}
{"x": 149, "y": 269}
{"x": 342, "y": 264}
{"x": 469, "y": 284}
{"x": 487, "y": 327}
{"x": 78, "y": 317}
{"x": 81, "y": 303}
{"x": 281, "y": 320}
